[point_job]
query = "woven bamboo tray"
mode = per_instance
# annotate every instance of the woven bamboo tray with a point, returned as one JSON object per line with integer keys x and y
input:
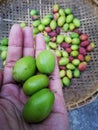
{"x": 84, "y": 89}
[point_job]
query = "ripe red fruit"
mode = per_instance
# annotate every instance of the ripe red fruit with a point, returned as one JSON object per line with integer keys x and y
{"x": 77, "y": 31}
{"x": 83, "y": 37}
{"x": 84, "y": 43}
{"x": 58, "y": 30}
{"x": 52, "y": 34}
{"x": 89, "y": 48}
{"x": 48, "y": 29}
{"x": 62, "y": 67}
{"x": 82, "y": 66}
{"x": 81, "y": 57}
{"x": 82, "y": 51}
{"x": 71, "y": 58}
{"x": 53, "y": 39}
{"x": 68, "y": 50}
{"x": 65, "y": 45}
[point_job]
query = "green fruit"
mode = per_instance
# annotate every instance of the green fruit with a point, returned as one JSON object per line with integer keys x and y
{"x": 61, "y": 12}
{"x": 93, "y": 45}
{"x": 3, "y": 55}
{"x": 41, "y": 27}
{"x": 76, "y": 73}
{"x": 45, "y": 62}
{"x": 70, "y": 66}
{"x": 33, "y": 12}
{"x": 75, "y": 47}
{"x": 76, "y": 41}
{"x": 63, "y": 61}
{"x": 53, "y": 24}
{"x": 74, "y": 53}
{"x": 69, "y": 18}
{"x": 66, "y": 81}
{"x": 62, "y": 73}
{"x": 50, "y": 16}
{"x": 24, "y": 68}
{"x": 47, "y": 47}
{"x": 56, "y": 8}
{"x": 66, "y": 27}
{"x": 61, "y": 21}
{"x": 65, "y": 54}
{"x": 45, "y": 21}
{"x": 23, "y": 25}
{"x": 35, "y": 31}
{"x": 58, "y": 53}
{"x": 60, "y": 39}
{"x": 52, "y": 45}
{"x": 76, "y": 62}
{"x": 4, "y": 42}
{"x": 71, "y": 26}
{"x": 74, "y": 35}
{"x": 76, "y": 22}
{"x": 69, "y": 74}
{"x": 36, "y": 23}
{"x": 38, "y": 106}
{"x": 87, "y": 58}
{"x": 68, "y": 39}
{"x": 3, "y": 48}
{"x": 35, "y": 83}
{"x": 47, "y": 39}
{"x": 4, "y": 62}
{"x": 68, "y": 11}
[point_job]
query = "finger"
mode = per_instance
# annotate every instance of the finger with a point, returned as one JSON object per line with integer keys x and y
{"x": 1, "y": 78}
{"x": 40, "y": 44}
{"x": 28, "y": 49}
{"x": 56, "y": 87}
{"x": 14, "y": 51}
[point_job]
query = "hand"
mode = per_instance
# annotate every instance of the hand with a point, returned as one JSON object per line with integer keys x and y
{"x": 12, "y": 98}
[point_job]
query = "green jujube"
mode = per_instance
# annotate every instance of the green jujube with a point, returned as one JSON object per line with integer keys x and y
{"x": 38, "y": 106}
{"x": 35, "y": 83}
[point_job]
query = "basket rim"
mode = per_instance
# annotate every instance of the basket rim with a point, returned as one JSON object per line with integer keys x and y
{"x": 93, "y": 96}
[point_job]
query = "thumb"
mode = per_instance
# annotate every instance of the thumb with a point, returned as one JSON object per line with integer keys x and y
{"x": 1, "y": 78}
{"x": 56, "y": 87}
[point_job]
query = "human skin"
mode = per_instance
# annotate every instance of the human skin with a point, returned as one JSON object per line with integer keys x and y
{"x": 12, "y": 98}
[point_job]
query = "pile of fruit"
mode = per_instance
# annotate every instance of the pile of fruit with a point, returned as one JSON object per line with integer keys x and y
{"x": 62, "y": 34}
{"x": 71, "y": 47}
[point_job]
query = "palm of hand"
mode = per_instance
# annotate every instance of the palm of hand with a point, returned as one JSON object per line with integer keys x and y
{"x": 12, "y": 98}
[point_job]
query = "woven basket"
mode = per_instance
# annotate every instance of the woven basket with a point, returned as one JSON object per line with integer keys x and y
{"x": 84, "y": 89}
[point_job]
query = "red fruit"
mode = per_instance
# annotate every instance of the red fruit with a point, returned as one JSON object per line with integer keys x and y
{"x": 71, "y": 58}
{"x": 82, "y": 66}
{"x": 62, "y": 67}
{"x": 52, "y": 34}
{"x": 89, "y": 48}
{"x": 77, "y": 31}
{"x": 84, "y": 43}
{"x": 83, "y": 37}
{"x": 56, "y": 16}
{"x": 58, "y": 30}
{"x": 68, "y": 50}
{"x": 81, "y": 57}
{"x": 65, "y": 45}
{"x": 53, "y": 39}
{"x": 48, "y": 29}
{"x": 82, "y": 51}
{"x": 54, "y": 11}
{"x": 35, "y": 17}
